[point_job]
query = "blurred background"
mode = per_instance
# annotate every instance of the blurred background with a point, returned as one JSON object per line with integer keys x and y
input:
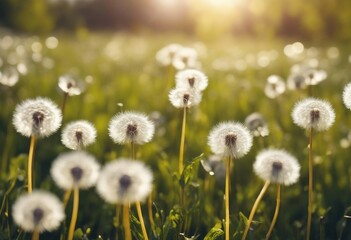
{"x": 313, "y": 19}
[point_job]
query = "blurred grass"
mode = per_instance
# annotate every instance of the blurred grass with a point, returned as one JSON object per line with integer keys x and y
{"x": 121, "y": 68}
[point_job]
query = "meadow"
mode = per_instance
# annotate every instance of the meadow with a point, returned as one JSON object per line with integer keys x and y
{"x": 119, "y": 72}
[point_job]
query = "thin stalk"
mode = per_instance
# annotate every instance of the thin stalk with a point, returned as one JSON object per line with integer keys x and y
{"x": 149, "y": 206}
{"x": 227, "y": 183}
{"x": 275, "y": 213}
{"x": 126, "y": 223}
{"x": 254, "y": 208}
{"x": 132, "y": 150}
{"x": 64, "y": 103}
{"x": 30, "y": 162}
{"x": 141, "y": 219}
{"x": 118, "y": 210}
{"x": 35, "y": 234}
{"x": 7, "y": 146}
{"x": 66, "y": 197}
{"x": 310, "y": 187}
{"x": 182, "y": 141}
{"x": 74, "y": 213}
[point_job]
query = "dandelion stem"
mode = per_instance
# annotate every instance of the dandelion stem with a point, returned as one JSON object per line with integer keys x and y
{"x": 74, "y": 213}
{"x": 66, "y": 197}
{"x": 132, "y": 150}
{"x": 35, "y": 234}
{"x": 182, "y": 141}
{"x": 254, "y": 208}
{"x": 227, "y": 182}
{"x": 126, "y": 223}
{"x": 141, "y": 219}
{"x": 310, "y": 186}
{"x": 64, "y": 103}
{"x": 30, "y": 162}
{"x": 275, "y": 213}
{"x": 118, "y": 210}
{"x": 149, "y": 205}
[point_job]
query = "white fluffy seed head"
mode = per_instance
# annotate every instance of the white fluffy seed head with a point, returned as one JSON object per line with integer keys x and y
{"x": 230, "y": 139}
{"x": 78, "y": 134}
{"x": 165, "y": 55}
{"x": 124, "y": 181}
{"x": 275, "y": 86}
{"x": 313, "y": 113}
{"x": 39, "y": 117}
{"x": 184, "y": 58}
{"x": 191, "y": 78}
{"x": 127, "y": 127}
{"x": 70, "y": 86}
{"x": 184, "y": 97}
{"x": 257, "y": 125}
{"x": 346, "y": 96}
{"x": 277, "y": 166}
{"x": 75, "y": 169}
{"x": 39, "y": 209}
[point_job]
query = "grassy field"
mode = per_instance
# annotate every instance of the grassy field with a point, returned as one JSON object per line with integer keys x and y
{"x": 121, "y": 68}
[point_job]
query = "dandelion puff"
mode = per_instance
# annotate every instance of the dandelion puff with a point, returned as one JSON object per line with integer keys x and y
{"x": 124, "y": 181}
{"x": 75, "y": 169}
{"x": 296, "y": 81}
{"x": 346, "y": 96}
{"x": 314, "y": 76}
{"x": 166, "y": 54}
{"x": 39, "y": 210}
{"x": 313, "y": 113}
{"x": 130, "y": 127}
{"x": 185, "y": 58}
{"x": 184, "y": 97}
{"x": 191, "y": 78}
{"x": 230, "y": 139}
{"x": 39, "y": 117}
{"x": 275, "y": 86}
{"x": 70, "y": 86}
{"x": 277, "y": 166}
{"x": 257, "y": 125}
{"x": 78, "y": 134}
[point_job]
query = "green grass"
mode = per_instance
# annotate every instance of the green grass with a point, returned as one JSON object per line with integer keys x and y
{"x": 129, "y": 74}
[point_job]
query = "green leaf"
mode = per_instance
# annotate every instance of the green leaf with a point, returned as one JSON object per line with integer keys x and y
{"x": 215, "y": 233}
{"x": 190, "y": 170}
{"x": 78, "y": 234}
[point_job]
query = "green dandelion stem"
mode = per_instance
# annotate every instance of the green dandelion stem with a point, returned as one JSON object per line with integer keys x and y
{"x": 66, "y": 197}
{"x": 126, "y": 223}
{"x": 149, "y": 206}
{"x": 310, "y": 187}
{"x": 275, "y": 216}
{"x": 227, "y": 183}
{"x": 74, "y": 213}
{"x": 35, "y": 235}
{"x": 254, "y": 208}
{"x": 182, "y": 141}
{"x": 30, "y": 162}
{"x": 141, "y": 219}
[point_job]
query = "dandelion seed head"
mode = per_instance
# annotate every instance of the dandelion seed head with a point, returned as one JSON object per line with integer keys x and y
{"x": 313, "y": 113}
{"x": 39, "y": 117}
{"x": 185, "y": 58}
{"x": 75, "y": 169}
{"x": 296, "y": 81}
{"x": 39, "y": 209}
{"x": 277, "y": 166}
{"x": 70, "y": 86}
{"x": 314, "y": 76}
{"x": 184, "y": 97}
{"x": 78, "y": 134}
{"x": 275, "y": 86}
{"x": 257, "y": 125}
{"x": 165, "y": 55}
{"x": 124, "y": 181}
{"x": 346, "y": 96}
{"x": 130, "y": 127}
{"x": 191, "y": 78}
{"x": 230, "y": 139}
